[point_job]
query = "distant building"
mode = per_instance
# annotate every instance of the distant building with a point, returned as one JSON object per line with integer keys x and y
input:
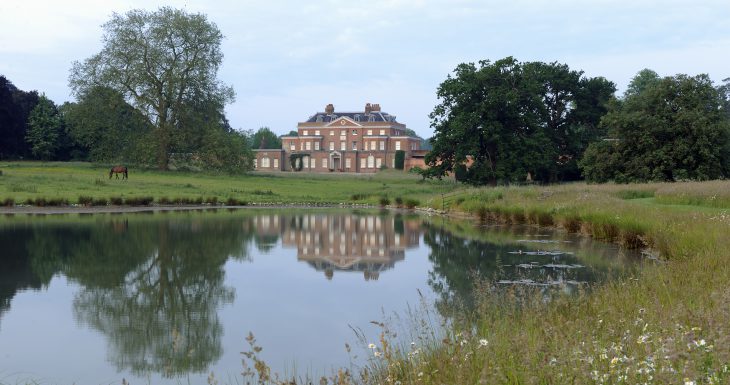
{"x": 329, "y": 141}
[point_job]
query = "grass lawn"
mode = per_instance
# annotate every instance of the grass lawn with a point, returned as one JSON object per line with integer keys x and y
{"x": 21, "y": 181}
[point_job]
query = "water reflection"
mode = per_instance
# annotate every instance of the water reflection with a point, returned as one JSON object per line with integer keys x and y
{"x": 153, "y": 285}
{"x": 344, "y": 243}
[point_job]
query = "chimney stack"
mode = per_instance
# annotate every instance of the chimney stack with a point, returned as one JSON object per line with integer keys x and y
{"x": 376, "y": 107}
{"x": 368, "y": 108}
{"x": 330, "y": 109}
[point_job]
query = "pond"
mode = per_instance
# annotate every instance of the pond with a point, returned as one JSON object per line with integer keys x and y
{"x": 168, "y": 297}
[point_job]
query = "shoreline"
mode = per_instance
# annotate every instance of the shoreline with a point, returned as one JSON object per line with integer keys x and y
{"x": 54, "y": 210}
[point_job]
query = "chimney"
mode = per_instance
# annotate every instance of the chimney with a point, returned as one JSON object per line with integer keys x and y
{"x": 376, "y": 107}
{"x": 368, "y": 108}
{"x": 330, "y": 109}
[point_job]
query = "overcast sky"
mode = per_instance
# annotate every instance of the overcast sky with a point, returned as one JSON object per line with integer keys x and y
{"x": 287, "y": 59}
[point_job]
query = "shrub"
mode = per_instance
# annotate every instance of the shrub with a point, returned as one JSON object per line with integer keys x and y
{"x": 384, "y": 201}
{"x": 99, "y": 202}
{"x": 399, "y": 201}
{"x": 85, "y": 200}
{"x": 400, "y": 157}
{"x": 412, "y": 203}
{"x": 357, "y": 197}
{"x": 116, "y": 201}
{"x": 211, "y": 200}
{"x": 9, "y": 202}
{"x": 164, "y": 201}
{"x": 57, "y": 202}
{"x": 139, "y": 201}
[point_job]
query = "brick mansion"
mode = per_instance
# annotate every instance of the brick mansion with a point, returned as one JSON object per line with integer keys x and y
{"x": 357, "y": 142}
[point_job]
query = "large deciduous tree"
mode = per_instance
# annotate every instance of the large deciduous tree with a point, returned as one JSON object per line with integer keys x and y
{"x": 46, "y": 132}
{"x": 265, "y": 138}
{"x": 15, "y": 108}
{"x": 105, "y": 126}
{"x": 515, "y": 118}
{"x": 165, "y": 63}
{"x": 664, "y": 129}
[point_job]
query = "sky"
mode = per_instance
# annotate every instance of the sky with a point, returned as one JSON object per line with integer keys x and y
{"x": 286, "y": 60}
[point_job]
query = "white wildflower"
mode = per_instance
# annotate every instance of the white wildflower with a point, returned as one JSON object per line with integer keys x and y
{"x": 483, "y": 342}
{"x": 371, "y": 346}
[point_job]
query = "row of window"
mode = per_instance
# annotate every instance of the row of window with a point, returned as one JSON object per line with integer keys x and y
{"x": 374, "y": 145}
{"x": 309, "y": 162}
{"x": 343, "y": 132}
{"x": 266, "y": 162}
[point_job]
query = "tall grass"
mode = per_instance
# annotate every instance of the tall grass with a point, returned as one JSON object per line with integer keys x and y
{"x": 668, "y": 323}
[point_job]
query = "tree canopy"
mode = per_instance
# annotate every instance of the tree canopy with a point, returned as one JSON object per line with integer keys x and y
{"x": 665, "y": 129}
{"x": 15, "y": 108}
{"x": 514, "y": 118}
{"x": 106, "y": 126}
{"x": 165, "y": 64}
{"x": 45, "y": 129}
{"x": 265, "y": 138}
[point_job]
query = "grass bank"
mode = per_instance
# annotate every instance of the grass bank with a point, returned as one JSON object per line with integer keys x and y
{"x": 60, "y": 184}
{"x": 668, "y": 324}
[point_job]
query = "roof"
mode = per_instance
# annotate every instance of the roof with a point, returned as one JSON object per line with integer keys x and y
{"x": 375, "y": 116}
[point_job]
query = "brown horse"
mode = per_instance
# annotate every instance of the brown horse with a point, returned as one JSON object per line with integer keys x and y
{"x": 118, "y": 170}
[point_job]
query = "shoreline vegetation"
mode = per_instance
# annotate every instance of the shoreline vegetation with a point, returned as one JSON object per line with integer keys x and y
{"x": 667, "y": 323}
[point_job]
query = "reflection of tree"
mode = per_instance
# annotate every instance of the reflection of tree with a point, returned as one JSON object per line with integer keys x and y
{"x": 162, "y": 316}
{"x": 458, "y": 263}
{"x": 16, "y": 272}
{"x": 151, "y": 283}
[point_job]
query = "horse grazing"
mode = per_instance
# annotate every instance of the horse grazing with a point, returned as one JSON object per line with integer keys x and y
{"x": 118, "y": 170}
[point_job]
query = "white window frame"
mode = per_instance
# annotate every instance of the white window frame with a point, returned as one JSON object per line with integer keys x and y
{"x": 316, "y": 146}
{"x": 276, "y": 162}
{"x": 324, "y": 162}
{"x": 305, "y": 162}
{"x": 371, "y": 161}
{"x": 305, "y": 132}
{"x": 382, "y": 145}
{"x": 308, "y": 146}
{"x": 378, "y": 162}
{"x": 332, "y": 146}
{"x": 265, "y": 161}
{"x": 354, "y": 146}
{"x": 348, "y": 163}
{"x": 382, "y": 132}
{"x": 370, "y": 132}
{"x": 343, "y": 146}
{"x": 397, "y": 145}
{"x": 292, "y": 145}
{"x": 316, "y": 132}
{"x": 363, "y": 163}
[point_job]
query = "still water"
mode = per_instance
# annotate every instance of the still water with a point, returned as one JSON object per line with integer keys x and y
{"x": 169, "y": 297}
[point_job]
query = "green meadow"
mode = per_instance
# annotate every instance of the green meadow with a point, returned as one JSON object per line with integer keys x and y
{"x": 64, "y": 183}
{"x": 666, "y": 323}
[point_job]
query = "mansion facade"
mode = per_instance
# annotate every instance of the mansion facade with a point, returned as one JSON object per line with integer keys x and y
{"x": 329, "y": 141}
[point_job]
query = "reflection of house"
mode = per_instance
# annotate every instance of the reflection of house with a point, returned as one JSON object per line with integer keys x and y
{"x": 346, "y": 242}
{"x": 361, "y": 142}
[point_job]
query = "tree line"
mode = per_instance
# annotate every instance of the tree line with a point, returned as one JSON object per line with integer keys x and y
{"x": 151, "y": 97}
{"x": 509, "y": 121}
